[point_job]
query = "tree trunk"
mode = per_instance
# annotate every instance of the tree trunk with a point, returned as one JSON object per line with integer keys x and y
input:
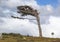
{"x": 38, "y": 22}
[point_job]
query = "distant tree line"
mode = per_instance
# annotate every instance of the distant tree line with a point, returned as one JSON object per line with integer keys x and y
{"x": 13, "y": 34}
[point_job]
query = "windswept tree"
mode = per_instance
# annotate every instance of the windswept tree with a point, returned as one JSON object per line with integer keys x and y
{"x": 27, "y": 10}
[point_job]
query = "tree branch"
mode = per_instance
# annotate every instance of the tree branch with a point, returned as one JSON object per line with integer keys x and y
{"x": 21, "y": 18}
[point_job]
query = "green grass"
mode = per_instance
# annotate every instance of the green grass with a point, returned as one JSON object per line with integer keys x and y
{"x": 20, "y": 38}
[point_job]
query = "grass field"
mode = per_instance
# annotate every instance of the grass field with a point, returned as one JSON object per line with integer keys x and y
{"x": 20, "y": 38}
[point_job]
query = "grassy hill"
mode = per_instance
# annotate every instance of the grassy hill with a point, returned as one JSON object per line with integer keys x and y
{"x": 19, "y": 38}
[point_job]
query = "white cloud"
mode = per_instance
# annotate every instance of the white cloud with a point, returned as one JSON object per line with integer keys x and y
{"x": 54, "y": 26}
{"x": 19, "y": 26}
{"x": 49, "y": 8}
{"x": 6, "y": 11}
{"x": 46, "y": 9}
{"x": 25, "y": 26}
{"x": 55, "y": 20}
{"x": 14, "y": 3}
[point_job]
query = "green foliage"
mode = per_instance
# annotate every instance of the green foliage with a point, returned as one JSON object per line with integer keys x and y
{"x": 13, "y": 37}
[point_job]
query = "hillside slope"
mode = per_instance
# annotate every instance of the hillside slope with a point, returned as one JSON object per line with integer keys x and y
{"x": 20, "y": 38}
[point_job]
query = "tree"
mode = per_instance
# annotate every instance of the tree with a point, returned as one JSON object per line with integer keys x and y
{"x": 27, "y": 10}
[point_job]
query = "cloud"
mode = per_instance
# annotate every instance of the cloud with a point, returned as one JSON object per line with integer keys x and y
{"x": 47, "y": 9}
{"x": 56, "y": 12}
{"x": 14, "y": 3}
{"x": 19, "y": 26}
{"x": 25, "y": 27}
{"x": 54, "y": 26}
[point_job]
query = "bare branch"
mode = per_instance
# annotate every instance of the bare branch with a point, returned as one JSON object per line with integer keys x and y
{"x": 21, "y": 18}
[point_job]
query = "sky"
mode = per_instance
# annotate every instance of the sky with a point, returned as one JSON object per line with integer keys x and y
{"x": 45, "y": 2}
{"x": 49, "y": 13}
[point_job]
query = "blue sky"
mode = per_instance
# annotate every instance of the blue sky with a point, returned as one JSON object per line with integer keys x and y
{"x": 49, "y": 13}
{"x": 45, "y": 2}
